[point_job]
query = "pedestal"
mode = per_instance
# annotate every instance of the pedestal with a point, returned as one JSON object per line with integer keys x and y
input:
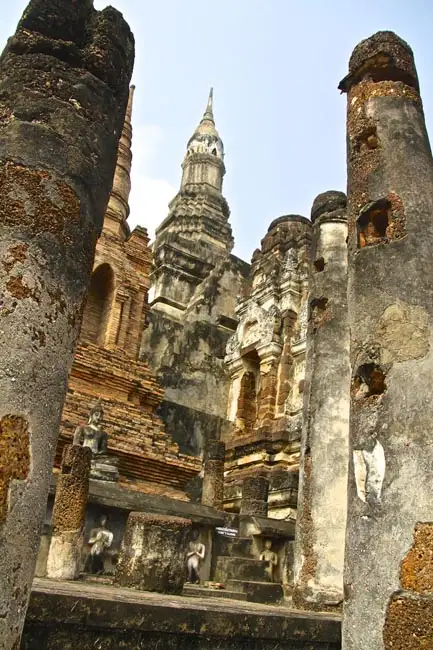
{"x": 104, "y": 468}
{"x": 153, "y": 553}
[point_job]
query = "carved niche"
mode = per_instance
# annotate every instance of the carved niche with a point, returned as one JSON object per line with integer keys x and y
{"x": 257, "y": 327}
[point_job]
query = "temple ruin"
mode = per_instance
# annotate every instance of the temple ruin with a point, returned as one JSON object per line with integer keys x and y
{"x": 239, "y": 457}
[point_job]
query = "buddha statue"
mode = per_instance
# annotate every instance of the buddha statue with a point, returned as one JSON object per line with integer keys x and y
{"x": 271, "y": 558}
{"x": 92, "y": 435}
{"x": 194, "y": 557}
{"x": 99, "y": 542}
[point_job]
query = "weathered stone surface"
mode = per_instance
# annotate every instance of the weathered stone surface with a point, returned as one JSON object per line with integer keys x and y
{"x": 213, "y": 479}
{"x": 240, "y": 568}
{"x": 258, "y": 592}
{"x": 390, "y": 298}
{"x": 64, "y": 80}
{"x": 265, "y": 359}
{"x": 197, "y": 591}
{"x": 255, "y": 495}
{"x": 67, "y": 521}
{"x": 403, "y": 333}
{"x": 153, "y": 553}
{"x": 322, "y": 506}
{"x": 131, "y": 620}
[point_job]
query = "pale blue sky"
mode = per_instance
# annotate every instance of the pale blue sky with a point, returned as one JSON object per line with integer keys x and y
{"x": 275, "y": 66}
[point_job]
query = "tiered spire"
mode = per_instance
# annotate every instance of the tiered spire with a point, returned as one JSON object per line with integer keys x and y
{"x": 208, "y": 114}
{"x": 118, "y": 206}
{"x": 205, "y": 138}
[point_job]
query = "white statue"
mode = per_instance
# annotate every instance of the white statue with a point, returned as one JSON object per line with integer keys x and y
{"x": 270, "y": 557}
{"x": 100, "y": 541}
{"x": 194, "y": 557}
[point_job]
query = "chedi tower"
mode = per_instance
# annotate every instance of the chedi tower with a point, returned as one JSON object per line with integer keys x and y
{"x": 195, "y": 282}
{"x": 388, "y": 575}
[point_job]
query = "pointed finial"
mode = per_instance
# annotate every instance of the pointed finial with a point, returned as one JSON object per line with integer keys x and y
{"x": 208, "y": 114}
{"x": 128, "y": 115}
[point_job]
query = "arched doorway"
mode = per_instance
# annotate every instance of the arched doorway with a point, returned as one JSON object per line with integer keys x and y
{"x": 98, "y": 306}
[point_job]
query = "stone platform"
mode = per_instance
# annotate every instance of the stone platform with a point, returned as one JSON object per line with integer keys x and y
{"x": 67, "y": 615}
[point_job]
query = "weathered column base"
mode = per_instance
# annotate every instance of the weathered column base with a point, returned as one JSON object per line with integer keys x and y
{"x": 64, "y": 557}
{"x": 213, "y": 479}
{"x": 153, "y": 554}
{"x": 316, "y": 597}
{"x": 255, "y": 496}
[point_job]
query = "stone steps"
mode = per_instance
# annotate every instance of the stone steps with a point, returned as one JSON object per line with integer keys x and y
{"x": 240, "y": 568}
{"x": 197, "y": 591}
{"x": 257, "y": 592}
{"x": 236, "y": 547}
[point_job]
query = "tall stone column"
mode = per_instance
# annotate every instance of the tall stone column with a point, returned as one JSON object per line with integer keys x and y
{"x": 390, "y": 208}
{"x": 322, "y": 500}
{"x": 213, "y": 478}
{"x": 64, "y": 80}
{"x": 69, "y": 513}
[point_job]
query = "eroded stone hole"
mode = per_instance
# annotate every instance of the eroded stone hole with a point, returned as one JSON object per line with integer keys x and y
{"x": 319, "y": 264}
{"x": 373, "y": 221}
{"x": 380, "y": 67}
{"x": 369, "y": 380}
{"x": 367, "y": 139}
{"x": 318, "y": 304}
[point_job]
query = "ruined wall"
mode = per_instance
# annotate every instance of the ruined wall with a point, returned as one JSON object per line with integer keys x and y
{"x": 265, "y": 360}
{"x": 106, "y": 364}
{"x": 153, "y": 621}
{"x": 186, "y": 350}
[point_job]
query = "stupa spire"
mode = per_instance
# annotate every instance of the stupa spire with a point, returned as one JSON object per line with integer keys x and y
{"x": 118, "y": 205}
{"x": 208, "y": 114}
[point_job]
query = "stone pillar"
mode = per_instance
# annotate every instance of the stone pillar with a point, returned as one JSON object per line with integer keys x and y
{"x": 390, "y": 208}
{"x": 322, "y": 501}
{"x": 213, "y": 479}
{"x": 69, "y": 513}
{"x": 255, "y": 496}
{"x": 64, "y": 80}
{"x": 268, "y": 385}
{"x": 153, "y": 553}
{"x": 44, "y": 548}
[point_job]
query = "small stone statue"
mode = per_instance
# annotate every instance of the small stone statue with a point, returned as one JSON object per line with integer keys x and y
{"x": 270, "y": 557}
{"x": 91, "y": 434}
{"x": 194, "y": 557}
{"x": 100, "y": 541}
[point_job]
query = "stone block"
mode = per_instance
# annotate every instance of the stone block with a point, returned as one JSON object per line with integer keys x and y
{"x": 213, "y": 480}
{"x": 257, "y": 592}
{"x": 240, "y": 568}
{"x": 153, "y": 553}
{"x": 236, "y": 546}
{"x": 255, "y": 496}
{"x": 196, "y": 591}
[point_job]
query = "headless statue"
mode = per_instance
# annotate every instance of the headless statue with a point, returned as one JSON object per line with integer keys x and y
{"x": 91, "y": 434}
{"x": 100, "y": 541}
{"x": 194, "y": 557}
{"x": 270, "y": 557}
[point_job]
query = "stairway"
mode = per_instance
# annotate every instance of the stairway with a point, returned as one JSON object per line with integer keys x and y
{"x": 244, "y": 575}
